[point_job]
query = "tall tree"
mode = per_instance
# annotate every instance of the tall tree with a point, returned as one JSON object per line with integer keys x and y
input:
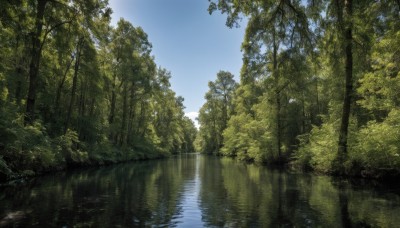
{"x": 50, "y": 16}
{"x": 275, "y": 29}
{"x": 345, "y": 18}
{"x": 215, "y": 113}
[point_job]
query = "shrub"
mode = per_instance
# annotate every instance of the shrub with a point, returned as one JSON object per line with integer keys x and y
{"x": 318, "y": 149}
{"x": 378, "y": 144}
{"x": 70, "y": 147}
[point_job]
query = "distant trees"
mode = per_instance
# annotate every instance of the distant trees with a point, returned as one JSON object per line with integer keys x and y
{"x": 306, "y": 84}
{"x": 215, "y": 113}
{"x": 75, "y": 90}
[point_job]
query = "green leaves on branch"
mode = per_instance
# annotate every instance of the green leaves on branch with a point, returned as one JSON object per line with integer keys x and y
{"x": 76, "y": 91}
{"x": 319, "y": 85}
{"x": 215, "y": 113}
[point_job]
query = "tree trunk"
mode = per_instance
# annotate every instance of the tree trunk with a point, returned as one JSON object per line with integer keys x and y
{"x": 279, "y": 126}
{"x": 61, "y": 85}
{"x": 82, "y": 109}
{"x": 19, "y": 73}
{"x": 131, "y": 113}
{"x": 278, "y": 97}
{"x": 124, "y": 115}
{"x": 225, "y": 113}
{"x": 36, "y": 54}
{"x": 18, "y": 88}
{"x": 343, "y": 134}
{"x": 74, "y": 84}
{"x": 303, "y": 120}
{"x": 91, "y": 108}
{"x": 82, "y": 99}
{"x": 143, "y": 118}
{"x": 113, "y": 100}
{"x": 318, "y": 120}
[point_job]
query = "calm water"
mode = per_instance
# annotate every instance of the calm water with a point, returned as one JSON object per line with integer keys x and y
{"x": 197, "y": 191}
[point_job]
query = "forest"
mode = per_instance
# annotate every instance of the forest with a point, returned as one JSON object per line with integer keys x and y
{"x": 319, "y": 87}
{"x": 318, "y": 90}
{"x": 77, "y": 91}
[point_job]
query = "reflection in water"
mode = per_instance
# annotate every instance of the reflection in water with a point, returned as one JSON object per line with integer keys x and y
{"x": 196, "y": 191}
{"x": 190, "y": 214}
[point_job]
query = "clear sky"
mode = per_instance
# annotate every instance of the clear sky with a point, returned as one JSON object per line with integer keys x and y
{"x": 187, "y": 41}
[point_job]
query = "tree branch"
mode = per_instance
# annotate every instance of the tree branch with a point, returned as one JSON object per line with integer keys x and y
{"x": 50, "y": 30}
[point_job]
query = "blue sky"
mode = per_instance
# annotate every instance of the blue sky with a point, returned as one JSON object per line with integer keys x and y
{"x": 187, "y": 41}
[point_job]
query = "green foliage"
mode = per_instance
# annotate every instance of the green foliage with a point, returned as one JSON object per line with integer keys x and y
{"x": 172, "y": 132}
{"x": 5, "y": 171}
{"x": 103, "y": 152}
{"x": 378, "y": 145}
{"x": 319, "y": 79}
{"x": 379, "y": 87}
{"x": 37, "y": 151}
{"x": 3, "y": 89}
{"x": 68, "y": 145}
{"x": 256, "y": 143}
{"x": 216, "y": 112}
{"x": 377, "y": 150}
{"x": 235, "y": 142}
{"x": 94, "y": 93}
{"x": 26, "y": 149}
{"x": 318, "y": 148}
{"x": 252, "y": 139}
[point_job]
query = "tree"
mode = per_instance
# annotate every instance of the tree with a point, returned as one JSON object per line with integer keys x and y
{"x": 215, "y": 113}
{"x": 275, "y": 32}
{"x": 304, "y": 61}
{"x": 94, "y": 95}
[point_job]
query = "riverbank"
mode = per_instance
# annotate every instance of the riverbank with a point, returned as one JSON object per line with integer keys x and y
{"x": 16, "y": 177}
{"x": 33, "y": 153}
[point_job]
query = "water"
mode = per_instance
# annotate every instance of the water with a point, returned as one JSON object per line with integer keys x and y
{"x": 197, "y": 191}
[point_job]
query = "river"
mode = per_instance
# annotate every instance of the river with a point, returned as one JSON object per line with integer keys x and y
{"x": 197, "y": 191}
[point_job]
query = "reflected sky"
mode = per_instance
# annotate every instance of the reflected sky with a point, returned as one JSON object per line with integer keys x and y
{"x": 191, "y": 212}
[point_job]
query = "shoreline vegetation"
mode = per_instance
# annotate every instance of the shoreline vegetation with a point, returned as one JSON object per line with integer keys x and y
{"x": 65, "y": 158}
{"x": 76, "y": 91}
{"x": 318, "y": 90}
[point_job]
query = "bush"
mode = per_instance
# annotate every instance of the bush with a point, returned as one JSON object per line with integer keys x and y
{"x": 318, "y": 149}
{"x": 37, "y": 145}
{"x": 26, "y": 150}
{"x": 378, "y": 144}
{"x": 103, "y": 152}
{"x": 5, "y": 171}
{"x": 69, "y": 147}
{"x": 236, "y": 141}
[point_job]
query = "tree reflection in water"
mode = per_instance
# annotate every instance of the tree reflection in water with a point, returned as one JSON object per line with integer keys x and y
{"x": 194, "y": 190}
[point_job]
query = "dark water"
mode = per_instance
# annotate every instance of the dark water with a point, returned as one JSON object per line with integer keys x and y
{"x": 197, "y": 191}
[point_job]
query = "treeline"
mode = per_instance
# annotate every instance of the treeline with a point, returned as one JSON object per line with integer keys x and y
{"x": 319, "y": 87}
{"x": 75, "y": 90}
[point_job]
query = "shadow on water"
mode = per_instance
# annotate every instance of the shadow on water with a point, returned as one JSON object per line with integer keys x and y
{"x": 194, "y": 190}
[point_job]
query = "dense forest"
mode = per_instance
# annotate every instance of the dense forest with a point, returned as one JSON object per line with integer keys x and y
{"x": 319, "y": 87}
{"x": 75, "y": 90}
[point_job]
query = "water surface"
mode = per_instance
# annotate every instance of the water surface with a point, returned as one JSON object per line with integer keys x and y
{"x": 197, "y": 191}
